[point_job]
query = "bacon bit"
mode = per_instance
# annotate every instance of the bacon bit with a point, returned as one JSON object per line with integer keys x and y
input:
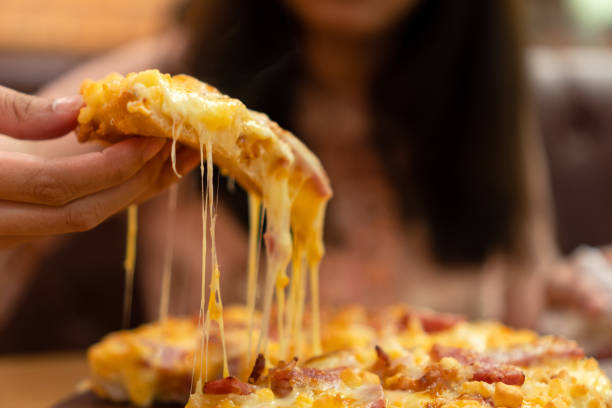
{"x": 258, "y": 367}
{"x": 282, "y": 378}
{"x": 330, "y": 375}
{"x": 287, "y": 376}
{"x": 382, "y": 356}
{"x": 228, "y": 385}
{"x": 463, "y": 356}
{"x": 503, "y": 373}
{"x": 382, "y": 366}
{"x": 526, "y": 357}
{"x": 523, "y": 356}
{"x": 433, "y": 378}
{"x": 486, "y": 368}
{"x": 431, "y": 322}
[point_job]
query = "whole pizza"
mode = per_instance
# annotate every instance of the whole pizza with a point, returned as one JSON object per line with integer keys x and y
{"x": 287, "y": 352}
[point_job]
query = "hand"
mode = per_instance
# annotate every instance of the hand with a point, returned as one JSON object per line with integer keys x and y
{"x": 42, "y": 196}
{"x": 583, "y": 281}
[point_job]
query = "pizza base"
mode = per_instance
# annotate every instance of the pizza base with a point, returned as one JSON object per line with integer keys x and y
{"x": 181, "y": 108}
{"x": 415, "y": 357}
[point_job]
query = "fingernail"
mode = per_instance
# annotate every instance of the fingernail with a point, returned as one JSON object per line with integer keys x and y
{"x": 67, "y": 104}
{"x": 153, "y": 147}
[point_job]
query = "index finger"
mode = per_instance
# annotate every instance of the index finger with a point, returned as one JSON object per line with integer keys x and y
{"x": 57, "y": 181}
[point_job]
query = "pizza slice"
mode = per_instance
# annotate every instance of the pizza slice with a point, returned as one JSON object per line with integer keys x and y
{"x": 245, "y": 144}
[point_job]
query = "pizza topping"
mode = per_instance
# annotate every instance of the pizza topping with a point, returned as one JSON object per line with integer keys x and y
{"x": 285, "y": 377}
{"x": 494, "y": 373}
{"x": 522, "y": 355}
{"x": 382, "y": 365}
{"x": 507, "y": 396}
{"x": 485, "y": 368}
{"x": 463, "y": 356}
{"x": 436, "y": 377}
{"x": 383, "y": 358}
{"x": 282, "y": 378}
{"x": 430, "y": 322}
{"x": 546, "y": 349}
{"x": 228, "y": 385}
{"x": 258, "y": 368}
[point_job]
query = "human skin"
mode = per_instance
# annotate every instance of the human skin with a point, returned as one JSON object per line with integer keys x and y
{"x": 42, "y": 196}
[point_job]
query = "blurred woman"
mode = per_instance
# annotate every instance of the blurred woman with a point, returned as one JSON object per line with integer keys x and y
{"x": 420, "y": 113}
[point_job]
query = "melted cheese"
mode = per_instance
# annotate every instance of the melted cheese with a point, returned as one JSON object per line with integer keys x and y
{"x": 168, "y": 255}
{"x": 314, "y": 300}
{"x": 215, "y": 305}
{"x": 129, "y": 263}
{"x": 253, "y": 263}
{"x": 278, "y": 244}
{"x": 297, "y": 298}
{"x": 199, "y": 358}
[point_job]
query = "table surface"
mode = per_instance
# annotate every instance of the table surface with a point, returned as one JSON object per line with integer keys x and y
{"x": 56, "y": 376}
{"x": 40, "y": 380}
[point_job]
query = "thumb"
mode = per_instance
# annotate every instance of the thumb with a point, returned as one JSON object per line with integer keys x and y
{"x": 30, "y": 117}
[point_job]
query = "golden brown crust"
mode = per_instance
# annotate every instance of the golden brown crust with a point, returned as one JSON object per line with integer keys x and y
{"x": 123, "y": 113}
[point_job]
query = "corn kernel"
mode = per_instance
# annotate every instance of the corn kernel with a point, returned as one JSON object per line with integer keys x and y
{"x": 594, "y": 403}
{"x": 476, "y": 387}
{"x": 508, "y": 396}
{"x": 329, "y": 401}
{"x": 350, "y": 378}
{"x": 578, "y": 390}
{"x": 265, "y": 394}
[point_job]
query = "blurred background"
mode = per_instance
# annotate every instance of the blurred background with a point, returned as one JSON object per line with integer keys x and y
{"x": 569, "y": 58}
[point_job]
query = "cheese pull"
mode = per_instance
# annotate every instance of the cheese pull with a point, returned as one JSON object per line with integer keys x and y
{"x": 265, "y": 159}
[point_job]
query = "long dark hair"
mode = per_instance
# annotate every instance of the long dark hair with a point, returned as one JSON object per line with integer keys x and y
{"x": 446, "y": 107}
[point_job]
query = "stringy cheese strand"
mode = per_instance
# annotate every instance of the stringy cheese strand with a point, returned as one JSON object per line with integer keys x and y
{"x": 254, "y": 210}
{"x": 129, "y": 263}
{"x": 215, "y": 305}
{"x": 314, "y": 300}
{"x": 168, "y": 256}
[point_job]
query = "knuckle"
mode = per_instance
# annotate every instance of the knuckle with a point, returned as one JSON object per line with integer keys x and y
{"x": 119, "y": 173}
{"x": 46, "y": 188}
{"x": 21, "y": 106}
{"x": 152, "y": 172}
{"x": 83, "y": 217}
{"x": 120, "y": 170}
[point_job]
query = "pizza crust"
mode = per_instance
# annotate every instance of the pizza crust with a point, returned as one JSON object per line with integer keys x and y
{"x": 142, "y": 104}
